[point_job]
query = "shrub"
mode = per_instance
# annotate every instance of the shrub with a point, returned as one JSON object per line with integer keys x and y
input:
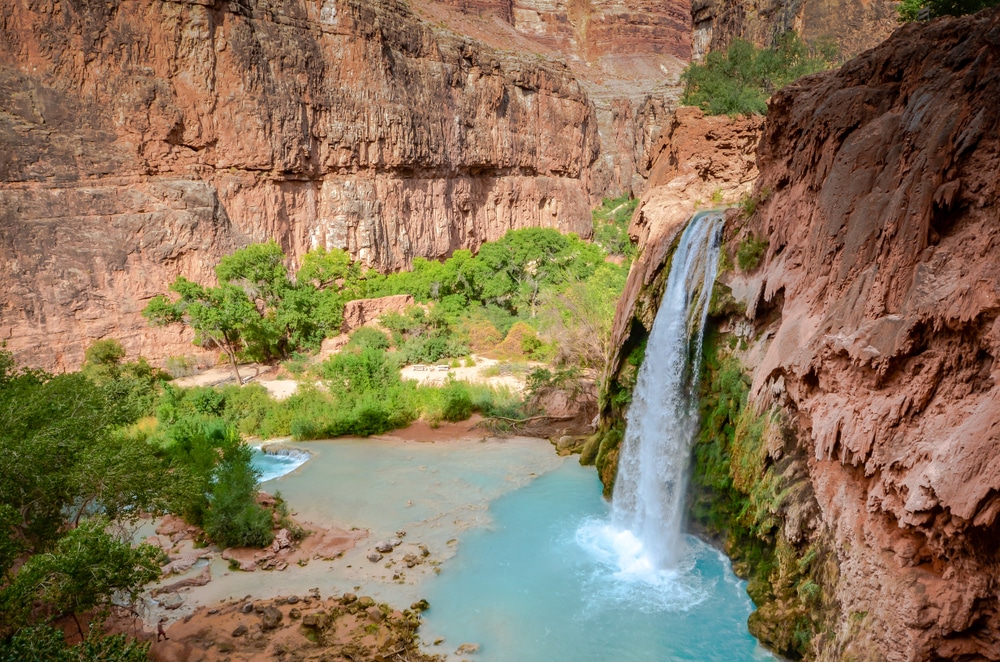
{"x": 457, "y": 402}
{"x": 369, "y": 338}
{"x": 740, "y": 80}
{"x": 179, "y": 366}
{"x": 520, "y": 338}
{"x": 750, "y": 252}
{"x": 234, "y": 518}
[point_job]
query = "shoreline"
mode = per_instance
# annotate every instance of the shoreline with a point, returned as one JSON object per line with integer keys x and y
{"x": 397, "y": 576}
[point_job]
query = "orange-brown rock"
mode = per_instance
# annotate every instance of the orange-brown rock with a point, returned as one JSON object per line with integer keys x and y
{"x": 848, "y": 26}
{"x": 882, "y": 274}
{"x": 872, "y": 321}
{"x": 360, "y": 312}
{"x": 143, "y": 140}
{"x": 627, "y": 55}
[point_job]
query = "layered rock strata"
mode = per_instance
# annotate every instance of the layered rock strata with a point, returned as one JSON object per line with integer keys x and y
{"x": 144, "y": 140}
{"x": 846, "y": 27}
{"x": 627, "y": 55}
{"x": 871, "y": 325}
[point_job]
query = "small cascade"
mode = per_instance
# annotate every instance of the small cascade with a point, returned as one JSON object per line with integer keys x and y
{"x": 277, "y": 461}
{"x": 648, "y": 500}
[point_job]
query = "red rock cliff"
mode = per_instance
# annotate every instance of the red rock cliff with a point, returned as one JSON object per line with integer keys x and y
{"x": 627, "y": 55}
{"x": 143, "y": 140}
{"x": 873, "y": 323}
{"x": 883, "y": 267}
{"x": 849, "y": 26}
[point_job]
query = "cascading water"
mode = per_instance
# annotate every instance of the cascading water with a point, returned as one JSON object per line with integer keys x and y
{"x": 663, "y": 418}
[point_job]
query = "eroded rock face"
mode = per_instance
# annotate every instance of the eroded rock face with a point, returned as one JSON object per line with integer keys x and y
{"x": 848, "y": 26}
{"x": 882, "y": 274}
{"x": 144, "y": 140}
{"x": 872, "y": 322}
{"x": 627, "y": 55}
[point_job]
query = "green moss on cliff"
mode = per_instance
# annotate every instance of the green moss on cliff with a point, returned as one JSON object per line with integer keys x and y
{"x": 747, "y": 485}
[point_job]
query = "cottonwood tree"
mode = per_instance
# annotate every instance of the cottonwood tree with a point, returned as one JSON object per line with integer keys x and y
{"x": 220, "y": 316}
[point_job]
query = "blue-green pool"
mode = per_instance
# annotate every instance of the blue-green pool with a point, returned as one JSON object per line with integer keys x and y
{"x": 545, "y": 582}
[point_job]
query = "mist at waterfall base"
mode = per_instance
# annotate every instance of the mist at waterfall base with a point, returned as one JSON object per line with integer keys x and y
{"x": 562, "y": 576}
{"x": 536, "y": 587}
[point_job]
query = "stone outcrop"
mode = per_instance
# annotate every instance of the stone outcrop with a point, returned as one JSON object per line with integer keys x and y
{"x": 699, "y": 162}
{"x": 871, "y": 323}
{"x": 882, "y": 267}
{"x": 847, "y": 26}
{"x": 143, "y": 140}
{"x": 360, "y": 312}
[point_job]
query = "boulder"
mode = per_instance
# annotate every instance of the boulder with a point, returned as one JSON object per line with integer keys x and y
{"x": 360, "y": 312}
{"x": 270, "y": 618}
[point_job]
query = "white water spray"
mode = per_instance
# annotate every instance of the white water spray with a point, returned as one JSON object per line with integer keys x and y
{"x": 648, "y": 501}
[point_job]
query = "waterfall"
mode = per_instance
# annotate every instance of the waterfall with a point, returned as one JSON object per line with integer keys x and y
{"x": 276, "y": 461}
{"x": 662, "y": 420}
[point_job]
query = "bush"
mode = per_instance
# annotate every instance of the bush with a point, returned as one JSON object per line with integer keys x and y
{"x": 368, "y": 338}
{"x": 360, "y": 372}
{"x": 520, "y": 342}
{"x": 750, "y": 252}
{"x": 457, "y": 402}
{"x": 740, "y": 81}
{"x": 234, "y": 518}
{"x": 179, "y": 366}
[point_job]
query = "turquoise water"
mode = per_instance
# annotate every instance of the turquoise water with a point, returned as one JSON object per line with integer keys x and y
{"x": 531, "y": 570}
{"x": 276, "y": 465}
{"x": 544, "y": 582}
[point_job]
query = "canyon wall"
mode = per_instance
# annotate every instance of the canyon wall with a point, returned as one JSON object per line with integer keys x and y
{"x": 627, "y": 54}
{"x": 846, "y": 27}
{"x": 143, "y": 140}
{"x": 869, "y": 326}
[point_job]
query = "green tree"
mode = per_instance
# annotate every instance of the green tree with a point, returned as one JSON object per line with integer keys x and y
{"x": 104, "y": 355}
{"x": 83, "y": 573}
{"x": 234, "y": 518}
{"x": 52, "y": 425}
{"x": 579, "y": 318}
{"x": 260, "y": 270}
{"x": 909, "y": 10}
{"x": 44, "y": 643}
{"x": 740, "y": 80}
{"x": 220, "y": 316}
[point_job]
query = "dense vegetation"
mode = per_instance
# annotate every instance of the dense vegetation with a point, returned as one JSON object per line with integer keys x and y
{"x": 83, "y": 455}
{"x": 910, "y": 10}
{"x": 740, "y": 80}
{"x": 737, "y": 494}
{"x": 534, "y": 294}
{"x": 77, "y": 465}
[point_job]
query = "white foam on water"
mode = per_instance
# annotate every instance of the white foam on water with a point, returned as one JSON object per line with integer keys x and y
{"x": 277, "y": 462}
{"x": 628, "y": 572}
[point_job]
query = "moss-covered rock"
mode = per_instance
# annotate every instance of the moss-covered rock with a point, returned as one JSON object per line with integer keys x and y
{"x": 750, "y": 491}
